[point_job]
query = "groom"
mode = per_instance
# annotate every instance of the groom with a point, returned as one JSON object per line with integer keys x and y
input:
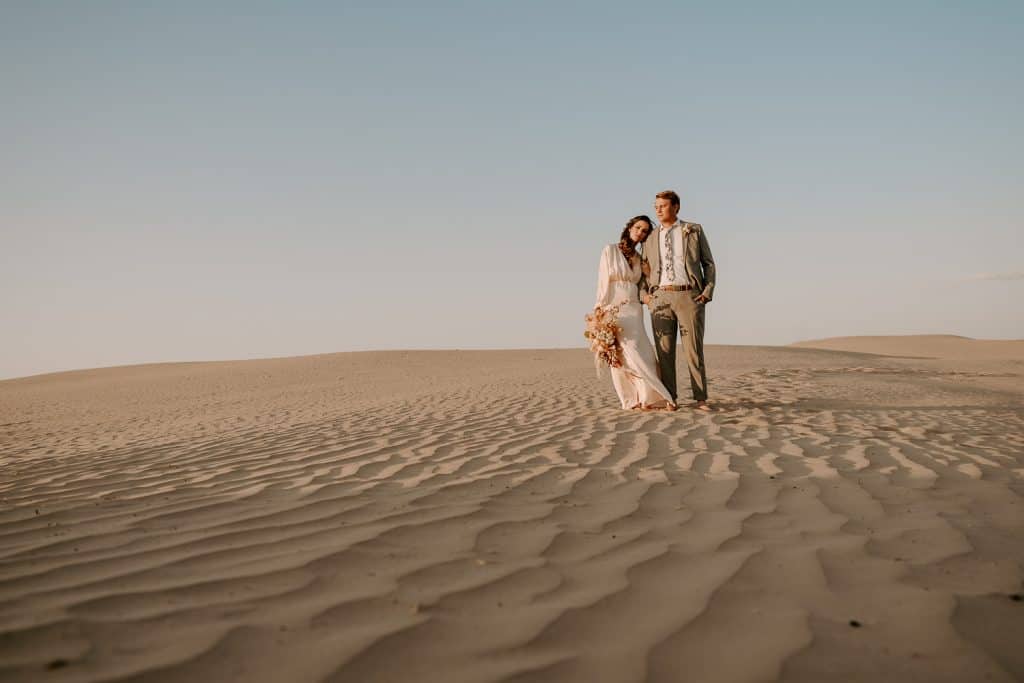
{"x": 680, "y": 283}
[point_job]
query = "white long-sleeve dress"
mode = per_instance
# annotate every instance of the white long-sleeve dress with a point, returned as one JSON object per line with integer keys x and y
{"x": 636, "y": 382}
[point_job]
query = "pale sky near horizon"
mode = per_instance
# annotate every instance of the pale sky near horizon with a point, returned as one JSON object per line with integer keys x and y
{"x": 198, "y": 181}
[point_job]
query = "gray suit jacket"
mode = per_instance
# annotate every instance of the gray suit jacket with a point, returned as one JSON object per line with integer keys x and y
{"x": 700, "y": 265}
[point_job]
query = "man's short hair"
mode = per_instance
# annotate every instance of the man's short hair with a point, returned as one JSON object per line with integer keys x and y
{"x": 669, "y": 195}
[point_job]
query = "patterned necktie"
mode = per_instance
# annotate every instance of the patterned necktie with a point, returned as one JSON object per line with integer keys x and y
{"x": 670, "y": 259}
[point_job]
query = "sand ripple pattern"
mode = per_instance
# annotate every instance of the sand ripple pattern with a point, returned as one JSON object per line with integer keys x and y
{"x": 493, "y": 516}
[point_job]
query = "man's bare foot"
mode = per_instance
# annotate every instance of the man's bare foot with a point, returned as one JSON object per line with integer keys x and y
{"x": 703, "y": 405}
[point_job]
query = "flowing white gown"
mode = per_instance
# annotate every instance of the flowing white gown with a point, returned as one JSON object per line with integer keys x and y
{"x": 636, "y": 382}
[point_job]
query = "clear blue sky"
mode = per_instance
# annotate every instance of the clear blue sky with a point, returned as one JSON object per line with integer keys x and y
{"x": 191, "y": 180}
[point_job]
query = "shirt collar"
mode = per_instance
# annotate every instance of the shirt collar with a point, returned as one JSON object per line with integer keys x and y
{"x": 676, "y": 224}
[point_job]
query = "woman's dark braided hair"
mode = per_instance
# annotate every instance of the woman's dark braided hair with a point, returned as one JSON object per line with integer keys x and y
{"x": 626, "y": 245}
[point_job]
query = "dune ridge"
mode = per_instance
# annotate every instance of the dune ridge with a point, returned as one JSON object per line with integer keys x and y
{"x": 485, "y": 516}
{"x": 946, "y": 346}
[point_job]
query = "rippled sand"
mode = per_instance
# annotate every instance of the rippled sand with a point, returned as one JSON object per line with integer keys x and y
{"x": 483, "y": 516}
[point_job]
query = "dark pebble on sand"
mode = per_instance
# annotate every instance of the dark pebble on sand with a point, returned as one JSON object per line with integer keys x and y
{"x": 1016, "y": 597}
{"x": 57, "y": 664}
{"x": 854, "y": 623}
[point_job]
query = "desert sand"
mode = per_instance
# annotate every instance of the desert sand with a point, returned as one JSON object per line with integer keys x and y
{"x": 851, "y": 512}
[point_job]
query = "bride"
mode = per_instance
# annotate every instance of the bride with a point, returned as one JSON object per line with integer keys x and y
{"x": 636, "y": 381}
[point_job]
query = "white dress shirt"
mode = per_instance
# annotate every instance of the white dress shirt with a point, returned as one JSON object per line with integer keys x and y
{"x": 677, "y": 274}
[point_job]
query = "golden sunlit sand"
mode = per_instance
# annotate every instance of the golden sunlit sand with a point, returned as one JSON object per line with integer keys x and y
{"x": 853, "y": 510}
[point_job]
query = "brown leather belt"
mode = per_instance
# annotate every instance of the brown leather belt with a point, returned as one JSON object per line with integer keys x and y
{"x": 675, "y": 288}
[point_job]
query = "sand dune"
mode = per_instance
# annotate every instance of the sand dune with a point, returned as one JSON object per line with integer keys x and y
{"x": 486, "y": 516}
{"x": 945, "y": 346}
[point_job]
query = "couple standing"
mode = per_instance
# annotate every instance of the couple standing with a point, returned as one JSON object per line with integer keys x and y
{"x": 670, "y": 269}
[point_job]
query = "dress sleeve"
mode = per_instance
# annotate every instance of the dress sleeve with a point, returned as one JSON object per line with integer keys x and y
{"x": 603, "y": 278}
